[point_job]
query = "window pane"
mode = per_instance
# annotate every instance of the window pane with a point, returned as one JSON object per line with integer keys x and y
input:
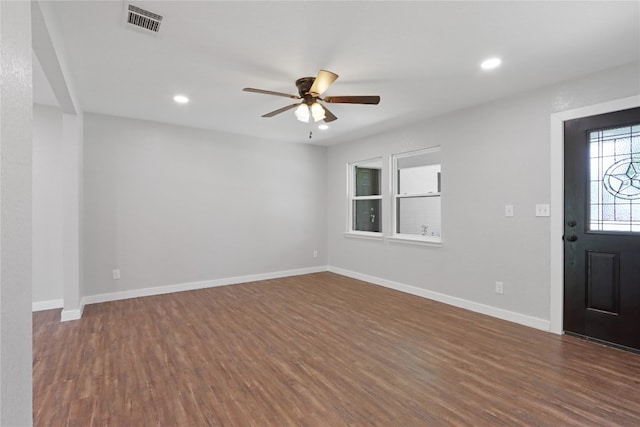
{"x": 419, "y": 216}
{"x": 366, "y": 215}
{"x": 419, "y": 180}
{"x": 430, "y": 157}
{"x": 367, "y": 181}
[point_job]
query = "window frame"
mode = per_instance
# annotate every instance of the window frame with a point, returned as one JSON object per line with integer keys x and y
{"x": 396, "y": 197}
{"x": 373, "y": 163}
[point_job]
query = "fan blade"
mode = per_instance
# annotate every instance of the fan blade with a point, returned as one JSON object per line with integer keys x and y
{"x": 352, "y": 99}
{"x": 270, "y": 92}
{"x": 323, "y": 80}
{"x": 328, "y": 115}
{"x": 281, "y": 110}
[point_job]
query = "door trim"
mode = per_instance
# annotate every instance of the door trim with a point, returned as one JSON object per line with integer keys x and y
{"x": 556, "y": 279}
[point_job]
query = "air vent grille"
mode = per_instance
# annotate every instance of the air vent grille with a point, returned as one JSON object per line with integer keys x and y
{"x": 143, "y": 18}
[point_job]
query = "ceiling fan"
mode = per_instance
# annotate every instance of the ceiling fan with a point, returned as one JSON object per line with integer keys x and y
{"x": 310, "y": 89}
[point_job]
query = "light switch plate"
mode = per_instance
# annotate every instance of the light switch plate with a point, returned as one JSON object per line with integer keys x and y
{"x": 543, "y": 210}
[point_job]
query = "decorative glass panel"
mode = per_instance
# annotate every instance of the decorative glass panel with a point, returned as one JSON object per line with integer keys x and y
{"x": 614, "y": 173}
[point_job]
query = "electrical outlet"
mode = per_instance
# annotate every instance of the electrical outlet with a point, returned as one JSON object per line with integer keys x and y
{"x": 499, "y": 288}
{"x": 115, "y": 274}
{"x": 315, "y": 253}
{"x": 508, "y": 210}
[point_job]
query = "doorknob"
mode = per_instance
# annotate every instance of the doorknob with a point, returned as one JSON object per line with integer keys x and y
{"x": 572, "y": 238}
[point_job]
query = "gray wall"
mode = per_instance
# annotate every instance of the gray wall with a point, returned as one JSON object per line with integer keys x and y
{"x": 171, "y": 205}
{"x": 16, "y": 99}
{"x": 492, "y": 155}
{"x": 48, "y": 272}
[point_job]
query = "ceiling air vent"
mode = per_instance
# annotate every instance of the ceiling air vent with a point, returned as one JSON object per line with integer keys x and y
{"x": 143, "y": 19}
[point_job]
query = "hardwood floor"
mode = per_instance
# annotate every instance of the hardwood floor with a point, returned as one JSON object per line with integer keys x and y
{"x": 318, "y": 350}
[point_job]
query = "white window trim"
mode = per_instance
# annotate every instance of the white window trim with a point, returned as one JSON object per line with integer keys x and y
{"x": 351, "y": 190}
{"x": 367, "y": 235}
{"x": 411, "y": 239}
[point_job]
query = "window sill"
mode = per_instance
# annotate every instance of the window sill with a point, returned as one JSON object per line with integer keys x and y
{"x": 363, "y": 235}
{"x": 417, "y": 240}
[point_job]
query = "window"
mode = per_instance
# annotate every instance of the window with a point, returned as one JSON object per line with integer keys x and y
{"x": 365, "y": 196}
{"x": 416, "y": 195}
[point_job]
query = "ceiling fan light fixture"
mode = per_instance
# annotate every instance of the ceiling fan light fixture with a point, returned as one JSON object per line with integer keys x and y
{"x": 317, "y": 112}
{"x": 310, "y": 89}
{"x": 302, "y": 113}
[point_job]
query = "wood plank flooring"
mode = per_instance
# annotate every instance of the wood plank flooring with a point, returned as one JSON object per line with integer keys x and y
{"x": 318, "y": 350}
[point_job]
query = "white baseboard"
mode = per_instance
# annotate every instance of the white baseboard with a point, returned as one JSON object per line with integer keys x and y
{"x": 76, "y": 314}
{"x": 499, "y": 313}
{"x": 47, "y": 305}
{"x": 145, "y": 292}
{"x": 511, "y": 316}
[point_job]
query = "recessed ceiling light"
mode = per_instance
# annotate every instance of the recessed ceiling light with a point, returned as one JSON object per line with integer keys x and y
{"x": 323, "y": 126}
{"x": 181, "y": 99}
{"x": 491, "y": 63}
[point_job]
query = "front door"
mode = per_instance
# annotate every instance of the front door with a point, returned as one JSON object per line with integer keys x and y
{"x": 602, "y": 228}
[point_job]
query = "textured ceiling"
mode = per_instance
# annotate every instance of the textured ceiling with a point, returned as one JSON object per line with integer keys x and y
{"x": 422, "y": 58}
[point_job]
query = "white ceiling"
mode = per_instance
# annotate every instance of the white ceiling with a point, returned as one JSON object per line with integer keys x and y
{"x": 422, "y": 58}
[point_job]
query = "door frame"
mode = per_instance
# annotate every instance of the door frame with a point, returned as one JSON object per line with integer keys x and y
{"x": 556, "y": 279}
